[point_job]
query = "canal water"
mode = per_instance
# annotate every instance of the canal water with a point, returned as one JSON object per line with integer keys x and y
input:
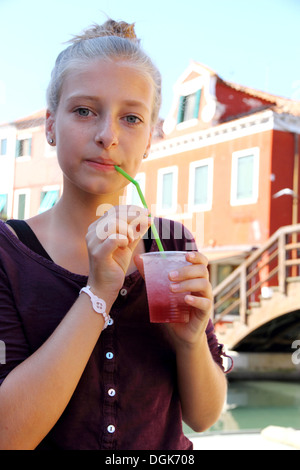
{"x": 253, "y": 405}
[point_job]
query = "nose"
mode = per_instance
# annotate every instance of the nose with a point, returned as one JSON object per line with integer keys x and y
{"x": 107, "y": 135}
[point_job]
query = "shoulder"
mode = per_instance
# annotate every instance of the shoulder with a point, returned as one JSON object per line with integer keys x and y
{"x": 11, "y": 229}
{"x": 6, "y": 229}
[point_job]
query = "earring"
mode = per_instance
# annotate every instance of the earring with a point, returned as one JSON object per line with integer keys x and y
{"x": 51, "y": 141}
{"x": 145, "y": 155}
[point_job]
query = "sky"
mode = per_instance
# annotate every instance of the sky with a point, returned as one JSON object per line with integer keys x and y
{"x": 255, "y": 43}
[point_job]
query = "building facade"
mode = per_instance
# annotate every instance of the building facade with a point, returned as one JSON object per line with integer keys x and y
{"x": 30, "y": 178}
{"x": 227, "y": 151}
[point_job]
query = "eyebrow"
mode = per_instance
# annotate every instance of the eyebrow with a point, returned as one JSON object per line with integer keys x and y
{"x": 127, "y": 102}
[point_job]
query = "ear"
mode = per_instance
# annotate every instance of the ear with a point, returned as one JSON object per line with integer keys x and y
{"x": 50, "y": 126}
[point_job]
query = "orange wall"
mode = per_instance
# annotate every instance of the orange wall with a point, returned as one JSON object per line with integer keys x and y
{"x": 223, "y": 224}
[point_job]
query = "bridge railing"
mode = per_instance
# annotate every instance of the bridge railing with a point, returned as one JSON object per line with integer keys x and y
{"x": 271, "y": 266}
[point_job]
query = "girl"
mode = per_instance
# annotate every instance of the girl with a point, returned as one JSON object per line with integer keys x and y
{"x": 86, "y": 375}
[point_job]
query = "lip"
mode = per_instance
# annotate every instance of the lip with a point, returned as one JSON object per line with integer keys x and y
{"x": 101, "y": 165}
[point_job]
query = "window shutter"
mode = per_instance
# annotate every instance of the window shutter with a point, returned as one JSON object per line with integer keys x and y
{"x": 181, "y": 109}
{"x": 197, "y": 104}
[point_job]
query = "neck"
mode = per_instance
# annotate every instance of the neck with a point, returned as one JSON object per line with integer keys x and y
{"x": 77, "y": 210}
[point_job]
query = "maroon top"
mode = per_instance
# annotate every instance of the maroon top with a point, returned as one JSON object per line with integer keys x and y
{"x": 127, "y": 397}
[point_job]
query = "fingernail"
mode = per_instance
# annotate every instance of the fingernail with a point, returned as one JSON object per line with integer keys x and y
{"x": 174, "y": 287}
{"x": 173, "y": 274}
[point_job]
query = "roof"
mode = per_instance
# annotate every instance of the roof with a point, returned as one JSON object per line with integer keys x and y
{"x": 33, "y": 120}
{"x": 279, "y": 104}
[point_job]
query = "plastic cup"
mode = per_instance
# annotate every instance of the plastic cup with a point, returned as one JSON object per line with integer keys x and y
{"x": 165, "y": 306}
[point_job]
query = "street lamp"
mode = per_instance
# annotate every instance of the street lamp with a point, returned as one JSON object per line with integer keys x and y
{"x": 296, "y": 198}
{"x": 285, "y": 192}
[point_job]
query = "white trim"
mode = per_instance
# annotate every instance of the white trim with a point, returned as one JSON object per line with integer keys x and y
{"x": 24, "y": 158}
{"x": 53, "y": 187}
{"x": 202, "y": 71}
{"x": 201, "y": 207}
{"x": 243, "y": 127}
{"x": 186, "y": 124}
{"x": 234, "y": 176}
{"x": 17, "y": 193}
{"x": 160, "y": 174}
{"x": 189, "y": 87}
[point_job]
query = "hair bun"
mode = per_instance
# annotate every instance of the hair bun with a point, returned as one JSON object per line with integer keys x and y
{"x": 109, "y": 28}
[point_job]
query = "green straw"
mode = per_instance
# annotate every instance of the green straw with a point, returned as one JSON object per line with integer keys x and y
{"x": 136, "y": 184}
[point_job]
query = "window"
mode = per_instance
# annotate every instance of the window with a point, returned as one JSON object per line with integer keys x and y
{"x": 132, "y": 194}
{"x": 23, "y": 148}
{"x": 201, "y": 185}
{"x": 3, "y": 206}
{"x": 167, "y": 190}
{"x": 48, "y": 199}
{"x": 189, "y": 107}
{"x": 21, "y": 204}
{"x": 245, "y": 174}
{"x": 3, "y": 146}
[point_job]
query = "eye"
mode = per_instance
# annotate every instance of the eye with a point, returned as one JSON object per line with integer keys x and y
{"x": 131, "y": 119}
{"x": 84, "y": 112}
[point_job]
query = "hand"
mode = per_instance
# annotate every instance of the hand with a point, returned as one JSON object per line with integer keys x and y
{"x": 111, "y": 241}
{"x": 193, "y": 278}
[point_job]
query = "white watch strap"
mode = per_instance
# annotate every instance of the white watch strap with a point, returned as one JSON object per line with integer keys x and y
{"x": 99, "y": 305}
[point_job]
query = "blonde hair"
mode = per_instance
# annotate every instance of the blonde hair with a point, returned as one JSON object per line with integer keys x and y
{"x": 112, "y": 40}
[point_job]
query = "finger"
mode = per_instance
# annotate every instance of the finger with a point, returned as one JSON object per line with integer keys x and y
{"x": 110, "y": 226}
{"x": 139, "y": 264}
{"x": 197, "y": 286}
{"x": 131, "y": 221}
{"x": 108, "y": 246}
{"x": 189, "y": 272}
{"x": 201, "y": 303}
{"x": 128, "y": 213}
{"x": 196, "y": 257}
{"x": 140, "y": 225}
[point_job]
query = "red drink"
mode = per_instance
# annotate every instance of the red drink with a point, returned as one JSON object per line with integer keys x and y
{"x": 164, "y": 306}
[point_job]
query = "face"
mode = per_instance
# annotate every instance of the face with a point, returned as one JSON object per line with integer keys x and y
{"x": 103, "y": 119}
